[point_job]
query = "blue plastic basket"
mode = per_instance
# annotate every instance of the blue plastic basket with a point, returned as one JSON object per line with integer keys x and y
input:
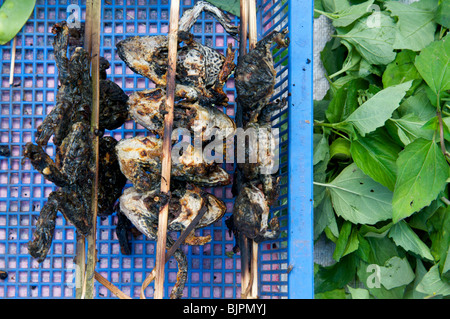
{"x": 286, "y": 264}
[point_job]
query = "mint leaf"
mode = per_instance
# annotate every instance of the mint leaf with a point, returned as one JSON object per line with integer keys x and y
{"x": 358, "y": 198}
{"x": 416, "y": 26}
{"x": 396, "y": 272}
{"x": 422, "y": 172}
{"x": 373, "y": 37}
{"x": 407, "y": 129}
{"x": 433, "y": 64}
{"x": 401, "y": 70}
{"x": 406, "y": 238}
{"x": 376, "y": 155}
{"x": 378, "y": 109}
{"x": 443, "y": 14}
{"x": 432, "y": 285}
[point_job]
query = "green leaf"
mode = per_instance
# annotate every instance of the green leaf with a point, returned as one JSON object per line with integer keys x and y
{"x": 335, "y": 5}
{"x": 335, "y": 276}
{"x": 358, "y": 198}
{"x": 432, "y": 285}
{"x": 348, "y": 15}
{"x": 351, "y": 62}
{"x": 13, "y": 15}
{"x": 401, "y": 70}
{"x": 443, "y": 14}
{"x": 419, "y": 105}
{"x": 422, "y": 172}
{"x": 406, "y": 238}
{"x": 345, "y": 101}
{"x": 320, "y": 169}
{"x": 323, "y": 216}
{"x": 347, "y": 241}
{"x": 439, "y": 231}
{"x": 433, "y": 64}
{"x": 377, "y": 110}
{"x": 412, "y": 292}
{"x": 369, "y": 275}
{"x": 332, "y": 294}
{"x": 363, "y": 251}
{"x": 321, "y": 148}
{"x": 332, "y": 56}
{"x": 376, "y": 155}
{"x": 396, "y": 272}
{"x": 373, "y": 37}
{"x": 374, "y": 232}
{"x": 358, "y": 293}
{"x": 340, "y": 149}
{"x": 231, "y": 6}
{"x": 407, "y": 129}
{"x": 416, "y": 27}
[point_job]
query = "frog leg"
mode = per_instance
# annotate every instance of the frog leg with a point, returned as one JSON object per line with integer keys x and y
{"x": 191, "y": 16}
{"x": 132, "y": 205}
{"x": 75, "y": 210}
{"x": 45, "y": 228}
{"x": 44, "y": 164}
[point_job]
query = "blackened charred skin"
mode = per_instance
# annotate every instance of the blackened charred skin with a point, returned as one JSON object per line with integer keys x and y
{"x": 5, "y": 151}
{"x": 113, "y": 105}
{"x": 73, "y": 170}
{"x": 3, "y": 275}
{"x": 45, "y": 227}
{"x": 73, "y": 100}
{"x": 111, "y": 179}
{"x": 251, "y": 215}
{"x": 255, "y": 74}
{"x": 44, "y": 164}
{"x": 123, "y": 228}
{"x": 201, "y": 70}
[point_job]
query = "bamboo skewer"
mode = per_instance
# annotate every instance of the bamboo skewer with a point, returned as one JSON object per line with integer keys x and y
{"x": 110, "y": 286}
{"x": 93, "y": 27}
{"x": 172, "y": 250}
{"x": 243, "y": 242}
{"x": 252, "y": 39}
{"x": 167, "y": 147}
{"x": 13, "y": 62}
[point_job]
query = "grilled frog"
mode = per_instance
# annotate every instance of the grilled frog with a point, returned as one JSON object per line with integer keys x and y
{"x": 146, "y": 108}
{"x": 201, "y": 70}
{"x": 73, "y": 172}
{"x": 73, "y": 100}
{"x": 251, "y": 214}
{"x": 255, "y": 74}
{"x": 140, "y": 162}
{"x": 185, "y": 202}
{"x": 73, "y": 167}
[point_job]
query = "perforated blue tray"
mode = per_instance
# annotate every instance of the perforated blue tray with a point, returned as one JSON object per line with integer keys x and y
{"x": 286, "y": 266}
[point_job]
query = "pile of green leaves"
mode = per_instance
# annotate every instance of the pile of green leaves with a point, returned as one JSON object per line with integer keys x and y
{"x": 382, "y": 150}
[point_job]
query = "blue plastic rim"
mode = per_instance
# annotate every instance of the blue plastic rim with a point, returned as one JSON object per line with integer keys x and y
{"x": 286, "y": 264}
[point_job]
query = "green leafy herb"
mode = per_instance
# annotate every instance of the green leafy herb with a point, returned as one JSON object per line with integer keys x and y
{"x": 13, "y": 15}
{"x": 358, "y": 198}
{"x": 382, "y": 150}
{"x": 422, "y": 172}
{"x": 231, "y": 6}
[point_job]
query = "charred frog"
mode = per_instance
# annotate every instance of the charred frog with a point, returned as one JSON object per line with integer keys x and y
{"x": 73, "y": 167}
{"x": 73, "y": 173}
{"x": 255, "y": 74}
{"x": 73, "y": 100}
{"x": 185, "y": 203}
{"x": 140, "y": 162}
